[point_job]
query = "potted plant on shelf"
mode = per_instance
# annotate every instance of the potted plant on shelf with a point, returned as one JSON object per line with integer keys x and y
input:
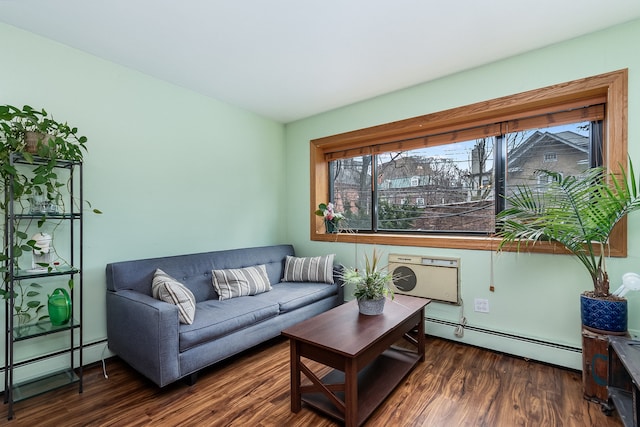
{"x": 34, "y": 138}
{"x": 35, "y": 132}
{"x": 371, "y": 287}
{"x": 578, "y": 213}
{"x": 331, "y": 217}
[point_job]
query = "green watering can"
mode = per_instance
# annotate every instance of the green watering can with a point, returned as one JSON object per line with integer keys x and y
{"x": 59, "y": 307}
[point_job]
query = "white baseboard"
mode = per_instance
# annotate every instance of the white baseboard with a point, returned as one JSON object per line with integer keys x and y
{"x": 542, "y": 351}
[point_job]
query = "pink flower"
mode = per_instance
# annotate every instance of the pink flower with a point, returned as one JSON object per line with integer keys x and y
{"x": 327, "y": 211}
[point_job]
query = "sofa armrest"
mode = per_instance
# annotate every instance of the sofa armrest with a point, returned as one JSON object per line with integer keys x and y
{"x": 143, "y": 331}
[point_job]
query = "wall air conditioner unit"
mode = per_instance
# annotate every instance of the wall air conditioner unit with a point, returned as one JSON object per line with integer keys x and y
{"x": 427, "y": 277}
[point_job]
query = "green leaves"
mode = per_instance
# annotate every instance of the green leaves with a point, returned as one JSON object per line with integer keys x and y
{"x": 578, "y": 212}
{"x": 22, "y": 305}
{"x": 321, "y": 208}
{"x": 94, "y": 210}
{"x": 373, "y": 283}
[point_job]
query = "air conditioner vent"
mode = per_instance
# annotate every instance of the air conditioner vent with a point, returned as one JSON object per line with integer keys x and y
{"x": 435, "y": 278}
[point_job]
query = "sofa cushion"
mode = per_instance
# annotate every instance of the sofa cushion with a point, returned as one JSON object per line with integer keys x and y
{"x": 168, "y": 289}
{"x": 216, "y": 318}
{"x": 309, "y": 269}
{"x": 237, "y": 282}
{"x": 293, "y": 295}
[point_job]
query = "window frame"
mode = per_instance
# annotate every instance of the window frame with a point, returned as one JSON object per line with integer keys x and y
{"x": 609, "y": 88}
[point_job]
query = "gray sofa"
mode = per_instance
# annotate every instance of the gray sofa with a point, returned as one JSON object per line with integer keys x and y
{"x": 147, "y": 334}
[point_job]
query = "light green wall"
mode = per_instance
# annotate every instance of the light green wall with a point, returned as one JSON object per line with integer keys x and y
{"x": 174, "y": 172}
{"x": 536, "y": 296}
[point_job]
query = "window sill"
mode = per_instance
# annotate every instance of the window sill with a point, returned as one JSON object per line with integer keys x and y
{"x": 479, "y": 243}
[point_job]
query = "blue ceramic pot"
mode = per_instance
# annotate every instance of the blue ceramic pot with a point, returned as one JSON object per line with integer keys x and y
{"x": 604, "y": 316}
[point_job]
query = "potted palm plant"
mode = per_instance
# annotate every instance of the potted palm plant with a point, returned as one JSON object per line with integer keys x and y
{"x": 371, "y": 287}
{"x": 578, "y": 213}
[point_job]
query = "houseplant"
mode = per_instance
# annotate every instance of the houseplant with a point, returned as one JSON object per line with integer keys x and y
{"x": 55, "y": 141}
{"x": 331, "y": 217}
{"x": 52, "y": 139}
{"x": 39, "y": 185}
{"x": 371, "y": 286}
{"x": 578, "y": 213}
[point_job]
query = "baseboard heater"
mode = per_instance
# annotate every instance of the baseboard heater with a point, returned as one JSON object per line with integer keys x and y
{"x": 506, "y": 335}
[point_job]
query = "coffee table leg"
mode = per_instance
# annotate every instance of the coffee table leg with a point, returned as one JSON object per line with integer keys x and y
{"x": 421, "y": 338}
{"x": 350, "y": 394}
{"x": 296, "y": 398}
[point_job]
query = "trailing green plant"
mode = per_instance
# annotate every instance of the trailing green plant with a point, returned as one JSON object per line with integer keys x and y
{"x": 373, "y": 283}
{"x": 28, "y": 172}
{"x": 56, "y": 140}
{"x": 27, "y": 305}
{"x": 577, "y": 212}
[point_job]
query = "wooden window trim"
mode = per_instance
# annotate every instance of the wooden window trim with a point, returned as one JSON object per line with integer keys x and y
{"x": 609, "y": 88}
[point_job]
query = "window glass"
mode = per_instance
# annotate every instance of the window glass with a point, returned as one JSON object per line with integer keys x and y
{"x": 443, "y": 188}
{"x": 350, "y": 189}
{"x": 564, "y": 149}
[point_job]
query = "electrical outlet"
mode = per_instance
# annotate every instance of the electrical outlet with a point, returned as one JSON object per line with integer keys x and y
{"x": 481, "y": 305}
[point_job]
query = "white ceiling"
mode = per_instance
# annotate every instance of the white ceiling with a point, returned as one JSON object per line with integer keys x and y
{"x": 290, "y": 59}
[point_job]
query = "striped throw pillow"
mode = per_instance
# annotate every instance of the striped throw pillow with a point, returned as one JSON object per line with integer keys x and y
{"x": 239, "y": 282}
{"x": 310, "y": 269}
{"x": 167, "y": 289}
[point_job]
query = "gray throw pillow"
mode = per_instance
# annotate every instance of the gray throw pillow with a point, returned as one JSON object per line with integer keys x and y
{"x": 168, "y": 289}
{"x": 310, "y": 269}
{"x": 239, "y": 282}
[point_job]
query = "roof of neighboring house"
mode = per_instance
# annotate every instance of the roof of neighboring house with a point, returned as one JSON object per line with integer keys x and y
{"x": 568, "y": 138}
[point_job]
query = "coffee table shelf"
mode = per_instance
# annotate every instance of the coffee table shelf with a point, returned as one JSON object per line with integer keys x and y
{"x": 373, "y": 388}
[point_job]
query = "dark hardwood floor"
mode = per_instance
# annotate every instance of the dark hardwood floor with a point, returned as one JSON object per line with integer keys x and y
{"x": 457, "y": 385}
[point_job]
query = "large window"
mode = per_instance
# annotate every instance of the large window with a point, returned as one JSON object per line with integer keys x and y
{"x": 458, "y": 187}
{"x": 439, "y": 180}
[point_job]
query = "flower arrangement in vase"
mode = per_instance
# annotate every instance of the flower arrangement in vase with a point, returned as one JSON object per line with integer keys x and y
{"x": 331, "y": 217}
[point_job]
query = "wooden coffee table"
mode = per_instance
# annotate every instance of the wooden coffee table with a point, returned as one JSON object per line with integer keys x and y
{"x": 367, "y": 365}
